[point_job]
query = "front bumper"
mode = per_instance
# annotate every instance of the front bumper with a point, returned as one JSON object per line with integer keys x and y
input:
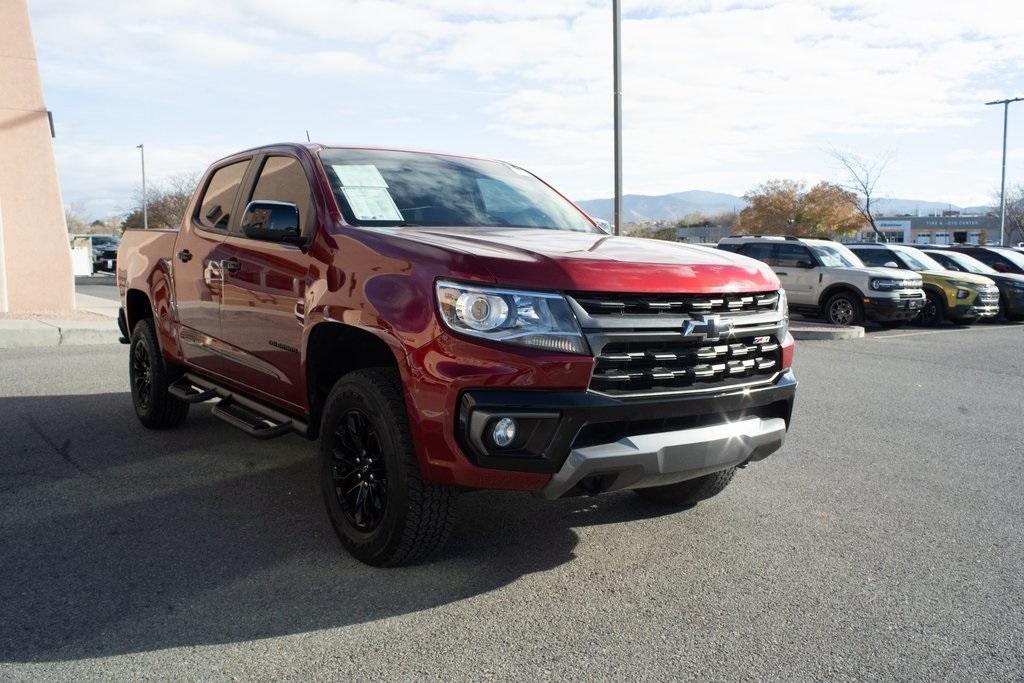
{"x": 592, "y": 442}
{"x": 886, "y": 309}
{"x": 667, "y": 457}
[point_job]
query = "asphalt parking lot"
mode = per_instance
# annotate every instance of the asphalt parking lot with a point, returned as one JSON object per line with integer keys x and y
{"x": 885, "y": 542}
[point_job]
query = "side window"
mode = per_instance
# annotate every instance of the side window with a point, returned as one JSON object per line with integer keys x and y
{"x": 987, "y": 257}
{"x": 789, "y": 255}
{"x": 283, "y": 180}
{"x": 731, "y": 246}
{"x": 219, "y": 198}
{"x": 762, "y": 251}
{"x": 876, "y": 257}
{"x": 945, "y": 261}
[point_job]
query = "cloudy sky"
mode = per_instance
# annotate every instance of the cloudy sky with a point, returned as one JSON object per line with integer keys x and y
{"x": 717, "y": 95}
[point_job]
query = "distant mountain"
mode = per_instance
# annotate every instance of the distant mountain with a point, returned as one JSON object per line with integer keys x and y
{"x": 665, "y": 207}
{"x": 670, "y": 207}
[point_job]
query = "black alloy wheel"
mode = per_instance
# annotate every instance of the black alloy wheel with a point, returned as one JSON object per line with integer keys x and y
{"x": 142, "y": 376}
{"x": 932, "y": 312}
{"x": 358, "y": 471}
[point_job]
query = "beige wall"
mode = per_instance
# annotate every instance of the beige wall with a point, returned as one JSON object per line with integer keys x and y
{"x": 35, "y": 259}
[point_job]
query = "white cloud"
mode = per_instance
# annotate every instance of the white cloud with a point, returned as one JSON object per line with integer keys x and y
{"x": 719, "y": 94}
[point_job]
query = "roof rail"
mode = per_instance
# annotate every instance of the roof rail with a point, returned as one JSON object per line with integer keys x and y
{"x": 785, "y": 237}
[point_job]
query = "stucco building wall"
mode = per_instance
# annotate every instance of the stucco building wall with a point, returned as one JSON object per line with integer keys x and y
{"x": 35, "y": 258}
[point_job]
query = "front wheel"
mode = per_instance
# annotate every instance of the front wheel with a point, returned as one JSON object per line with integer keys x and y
{"x": 688, "y": 492}
{"x": 382, "y": 509}
{"x": 844, "y": 308}
{"x": 933, "y": 312}
{"x": 150, "y": 375}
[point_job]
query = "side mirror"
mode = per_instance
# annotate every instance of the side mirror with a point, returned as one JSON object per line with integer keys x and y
{"x": 802, "y": 263}
{"x": 272, "y": 222}
{"x": 891, "y": 264}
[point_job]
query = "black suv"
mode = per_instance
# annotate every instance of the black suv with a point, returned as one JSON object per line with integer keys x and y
{"x": 1000, "y": 259}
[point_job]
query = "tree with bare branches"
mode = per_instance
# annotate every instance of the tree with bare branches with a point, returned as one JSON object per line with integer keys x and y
{"x": 166, "y": 202}
{"x": 862, "y": 175}
{"x": 1014, "y": 214}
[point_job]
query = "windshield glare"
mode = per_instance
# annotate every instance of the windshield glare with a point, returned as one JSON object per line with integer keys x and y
{"x": 1014, "y": 256}
{"x": 917, "y": 260}
{"x": 388, "y": 188}
{"x": 836, "y": 256}
{"x": 970, "y": 264}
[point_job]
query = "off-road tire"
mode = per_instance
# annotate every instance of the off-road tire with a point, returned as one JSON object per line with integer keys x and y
{"x": 417, "y": 514}
{"x": 934, "y": 311}
{"x": 688, "y": 492}
{"x": 843, "y": 308}
{"x": 155, "y": 408}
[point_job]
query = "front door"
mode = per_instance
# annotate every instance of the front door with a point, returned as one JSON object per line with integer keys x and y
{"x": 797, "y": 270}
{"x": 262, "y": 312}
{"x": 199, "y": 251}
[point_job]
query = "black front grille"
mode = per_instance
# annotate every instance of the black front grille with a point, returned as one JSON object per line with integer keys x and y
{"x": 639, "y": 366}
{"x": 675, "y": 304}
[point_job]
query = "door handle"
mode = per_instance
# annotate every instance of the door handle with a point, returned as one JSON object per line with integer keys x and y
{"x": 781, "y": 272}
{"x": 185, "y": 255}
{"x": 232, "y": 265}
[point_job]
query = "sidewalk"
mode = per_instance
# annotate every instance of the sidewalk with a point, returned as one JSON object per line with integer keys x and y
{"x": 94, "y": 322}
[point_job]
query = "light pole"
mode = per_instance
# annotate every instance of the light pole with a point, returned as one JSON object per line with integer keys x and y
{"x": 145, "y": 210}
{"x": 1002, "y": 184}
{"x": 617, "y": 94}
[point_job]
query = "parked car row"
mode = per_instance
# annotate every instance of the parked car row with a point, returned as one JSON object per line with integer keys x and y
{"x": 891, "y": 284}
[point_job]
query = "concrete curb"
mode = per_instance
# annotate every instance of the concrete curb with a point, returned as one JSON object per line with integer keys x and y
{"x": 822, "y": 331}
{"x": 21, "y": 334}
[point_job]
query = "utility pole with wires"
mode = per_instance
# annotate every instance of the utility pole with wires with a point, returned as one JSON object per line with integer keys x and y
{"x": 617, "y": 94}
{"x": 145, "y": 208}
{"x": 1002, "y": 183}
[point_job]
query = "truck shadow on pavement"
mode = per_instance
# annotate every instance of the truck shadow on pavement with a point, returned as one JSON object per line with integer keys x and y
{"x": 117, "y": 540}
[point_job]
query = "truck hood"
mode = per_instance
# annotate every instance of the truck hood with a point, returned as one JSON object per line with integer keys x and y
{"x": 564, "y": 260}
{"x": 957, "y": 276}
{"x": 873, "y": 272}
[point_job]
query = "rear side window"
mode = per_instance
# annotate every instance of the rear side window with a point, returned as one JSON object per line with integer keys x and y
{"x": 283, "y": 180}
{"x": 759, "y": 250}
{"x": 735, "y": 248}
{"x": 219, "y": 198}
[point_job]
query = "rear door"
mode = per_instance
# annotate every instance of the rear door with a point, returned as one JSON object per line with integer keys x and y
{"x": 199, "y": 251}
{"x": 794, "y": 262}
{"x": 262, "y": 312}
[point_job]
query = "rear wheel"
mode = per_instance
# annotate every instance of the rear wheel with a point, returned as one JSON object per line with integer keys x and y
{"x": 933, "y": 312}
{"x": 382, "y": 509}
{"x": 150, "y": 375}
{"x": 688, "y": 492}
{"x": 843, "y": 308}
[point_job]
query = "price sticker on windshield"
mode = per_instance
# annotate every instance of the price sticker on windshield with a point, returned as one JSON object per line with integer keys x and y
{"x": 372, "y": 204}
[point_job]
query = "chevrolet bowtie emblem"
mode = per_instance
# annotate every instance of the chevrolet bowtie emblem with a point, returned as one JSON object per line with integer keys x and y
{"x": 711, "y": 327}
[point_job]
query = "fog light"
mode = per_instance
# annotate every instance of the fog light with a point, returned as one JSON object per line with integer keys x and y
{"x": 504, "y": 432}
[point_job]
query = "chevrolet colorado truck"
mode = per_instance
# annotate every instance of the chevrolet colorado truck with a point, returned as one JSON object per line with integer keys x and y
{"x": 441, "y": 323}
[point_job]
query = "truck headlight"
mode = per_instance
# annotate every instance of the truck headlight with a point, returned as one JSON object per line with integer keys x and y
{"x": 539, "y": 320}
{"x": 784, "y": 310}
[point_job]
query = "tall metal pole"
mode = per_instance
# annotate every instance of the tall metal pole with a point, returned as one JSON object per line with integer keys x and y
{"x": 617, "y": 88}
{"x": 145, "y": 204}
{"x": 1002, "y": 183}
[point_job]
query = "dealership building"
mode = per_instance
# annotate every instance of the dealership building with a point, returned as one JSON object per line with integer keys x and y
{"x": 951, "y": 228}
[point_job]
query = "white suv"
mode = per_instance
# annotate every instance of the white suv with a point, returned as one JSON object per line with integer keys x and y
{"x": 822, "y": 277}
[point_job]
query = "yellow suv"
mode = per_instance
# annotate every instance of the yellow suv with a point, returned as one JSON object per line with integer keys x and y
{"x": 959, "y": 297}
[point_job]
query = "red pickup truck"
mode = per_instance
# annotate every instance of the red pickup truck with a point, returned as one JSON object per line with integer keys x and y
{"x": 441, "y": 323}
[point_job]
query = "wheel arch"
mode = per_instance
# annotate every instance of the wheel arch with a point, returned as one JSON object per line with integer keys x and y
{"x": 334, "y": 349}
{"x": 836, "y": 288}
{"x": 137, "y": 306}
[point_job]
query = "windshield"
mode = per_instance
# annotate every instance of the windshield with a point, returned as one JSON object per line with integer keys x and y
{"x": 105, "y": 241}
{"x": 1014, "y": 257}
{"x": 917, "y": 260}
{"x": 388, "y": 188}
{"x": 970, "y": 264}
{"x": 836, "y": 256}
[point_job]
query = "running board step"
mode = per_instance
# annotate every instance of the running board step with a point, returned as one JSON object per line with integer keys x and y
{"x": 255, "y": 418}
{"x": 249, "y": 421}
{"x": 187, "y": 392}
